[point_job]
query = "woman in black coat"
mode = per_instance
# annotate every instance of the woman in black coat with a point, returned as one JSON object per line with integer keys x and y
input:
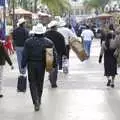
{"x": 110, "y": 61}
{"x": 3, "y": 57}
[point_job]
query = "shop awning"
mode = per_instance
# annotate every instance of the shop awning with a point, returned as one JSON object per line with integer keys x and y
{"x": 20, "y": 11}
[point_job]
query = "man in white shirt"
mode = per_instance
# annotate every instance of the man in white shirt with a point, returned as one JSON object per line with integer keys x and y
{"x": 67, "y": 33}
{"x": 87, "y": 37}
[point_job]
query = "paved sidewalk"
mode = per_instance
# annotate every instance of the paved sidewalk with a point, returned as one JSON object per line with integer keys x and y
{"x": 81, "y": 95}
{"x": 62, "y": 104}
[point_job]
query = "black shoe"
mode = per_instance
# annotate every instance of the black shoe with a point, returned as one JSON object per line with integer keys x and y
{"x": 1, "y": 95}
{"x": 54, "y": 86}
{"x": 108, "y": 83}
{"x": 36, "y": 107}
{"x": 112, "y": 85}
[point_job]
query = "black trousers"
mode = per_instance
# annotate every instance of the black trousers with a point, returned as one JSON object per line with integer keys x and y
{"x": 67, "y": 51}
{"x": 53, "y": 76}
{"x": 36, "y": 72}
{"x": 60, "y": 62}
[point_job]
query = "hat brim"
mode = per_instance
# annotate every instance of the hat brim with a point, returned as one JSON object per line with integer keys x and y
{"x": 19, "y": 23}
{"x": 39, "y": 32}
{"x": 52, "y": 24}
{"x": 62, "y": 24}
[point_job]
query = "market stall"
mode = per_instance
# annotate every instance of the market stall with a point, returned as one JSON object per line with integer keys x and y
{"x": 19, "y": 12}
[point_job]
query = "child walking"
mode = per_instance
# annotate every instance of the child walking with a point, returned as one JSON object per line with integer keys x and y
{"x": 3, "y": 57}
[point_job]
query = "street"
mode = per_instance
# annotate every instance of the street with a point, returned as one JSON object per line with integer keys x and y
{"x": 81, "y": 95}
{"x": 82, "y": 75}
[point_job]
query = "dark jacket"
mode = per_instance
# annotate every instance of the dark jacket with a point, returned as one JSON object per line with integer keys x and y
{"x": 20, "y": 34}
{"x": 34, "y": 50}
{"x": 4, "y": 56}
{"x": 58, "y": 41}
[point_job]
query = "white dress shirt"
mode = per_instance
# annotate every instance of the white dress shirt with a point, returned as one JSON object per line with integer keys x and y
{"x": 87, "y": 35}
{"x": 67, "y": 33}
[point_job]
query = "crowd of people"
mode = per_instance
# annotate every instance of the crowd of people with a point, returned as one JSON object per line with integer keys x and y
{"x": 31, "y": 50}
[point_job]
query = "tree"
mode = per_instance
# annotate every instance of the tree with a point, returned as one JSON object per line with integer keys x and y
{"x": 97, "y": 4}
{"x": 57, "y": 6}
{"x": 35, "y": 5}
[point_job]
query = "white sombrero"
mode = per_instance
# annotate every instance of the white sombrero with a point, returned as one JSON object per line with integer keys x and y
{"x": 33, "y": 30}
{"x": 20, "y": 21}
{"x": 39, "y": 29}
{"x": 52, "y": 24}
{"x": 61, "y": 23}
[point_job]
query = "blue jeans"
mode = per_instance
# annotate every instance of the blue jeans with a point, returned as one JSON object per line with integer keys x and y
{"x": 87, "y": 46}
{"x": 19, "y": 51}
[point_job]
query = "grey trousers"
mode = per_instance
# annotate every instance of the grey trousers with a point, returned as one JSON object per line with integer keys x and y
{"x": 19, "y": 51}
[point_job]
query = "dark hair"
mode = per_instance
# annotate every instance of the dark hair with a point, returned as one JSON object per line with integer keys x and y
{"x": 22, "y": 24}
{"x": 87, "y": 27}
{"x": 54, "y": 27}
{"x": 111, "y": 27}
{"x": 69, "y": 26}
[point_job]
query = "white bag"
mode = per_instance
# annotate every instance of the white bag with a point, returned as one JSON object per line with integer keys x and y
{"x": 65, "y": 64}
{"x": 49, "y": 59}
{"x": 78, "y": 48}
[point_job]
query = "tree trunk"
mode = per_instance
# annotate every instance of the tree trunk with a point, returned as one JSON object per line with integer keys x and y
{"x": 35, "y": 6}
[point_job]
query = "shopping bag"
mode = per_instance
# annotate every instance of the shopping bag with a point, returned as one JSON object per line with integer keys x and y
{"x": 77, "y": 47}
{"x": 22, "y": 84}
{"x": 65, "y": 62}
{"x": 49, "y": 59}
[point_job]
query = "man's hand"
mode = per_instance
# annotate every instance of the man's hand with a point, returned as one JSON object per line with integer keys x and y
{"x": 100, "y": 59}
{"x": 12, "y": 67}
{"x": 22, "y": 71}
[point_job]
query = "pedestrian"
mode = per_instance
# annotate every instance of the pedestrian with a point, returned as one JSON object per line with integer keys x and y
{"x": 87, "y": 37}
{"x": 9, "y": 44}
{"x": 3, "y": 58}
{"x": 117, "y": 38}
{"x": 68, "y": 34}
{"x": 59, "y": 43}
{"x": 20, "y": 34}
{"x": 110, "y": 61}
{"x": 34, "y": 59}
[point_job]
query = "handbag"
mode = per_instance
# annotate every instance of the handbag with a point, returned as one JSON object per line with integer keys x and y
{"x": 77, "y": 47}
{"x": 49, "y": 59}
{"x": 65, "y": 64}
{"x": 22, "y": 84}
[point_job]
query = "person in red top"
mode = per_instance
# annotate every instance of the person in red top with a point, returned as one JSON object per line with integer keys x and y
{"x": 8, "y": 44}
{"x": 3, "y": 58}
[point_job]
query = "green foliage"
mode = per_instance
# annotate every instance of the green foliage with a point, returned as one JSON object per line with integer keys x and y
{"x": 57, "y": 6}
{"x": 96, "y": 3}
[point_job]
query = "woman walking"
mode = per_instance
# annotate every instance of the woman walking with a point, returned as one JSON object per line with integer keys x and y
{"x": 110, "y": 62}
{"x": 3, "y": 57}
